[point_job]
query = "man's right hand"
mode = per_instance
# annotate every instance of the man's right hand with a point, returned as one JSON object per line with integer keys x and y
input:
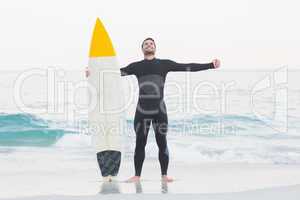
{"x": 87, "y": 72}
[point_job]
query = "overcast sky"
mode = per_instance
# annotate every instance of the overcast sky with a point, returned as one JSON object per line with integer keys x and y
{"x": 242, "y": 33}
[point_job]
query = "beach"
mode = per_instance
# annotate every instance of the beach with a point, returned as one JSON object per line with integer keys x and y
{"x": 50, "y": 156}
{"x": 207, "y": 180}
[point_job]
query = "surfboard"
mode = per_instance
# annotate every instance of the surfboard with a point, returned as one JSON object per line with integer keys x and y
{"x": 105, "y": 102}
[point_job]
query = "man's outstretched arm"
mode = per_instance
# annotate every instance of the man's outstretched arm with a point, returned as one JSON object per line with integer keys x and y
{"x": 174, "y": 66}
{"x": 129, "y": 70}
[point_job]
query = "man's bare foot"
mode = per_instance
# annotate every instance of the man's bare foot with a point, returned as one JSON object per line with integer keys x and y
{"x": 166, "y": 178}
{"x": 134, "y": 179}
{"x": 107, "y": 179}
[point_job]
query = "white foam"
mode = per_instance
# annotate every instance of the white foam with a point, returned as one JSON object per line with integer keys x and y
{"x": 74, "y": 140}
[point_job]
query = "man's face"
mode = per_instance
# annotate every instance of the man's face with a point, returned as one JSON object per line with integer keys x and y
{"x": 148, "y": 47}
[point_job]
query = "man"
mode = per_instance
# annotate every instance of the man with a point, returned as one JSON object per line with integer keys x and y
{"x": 151, "y": 74}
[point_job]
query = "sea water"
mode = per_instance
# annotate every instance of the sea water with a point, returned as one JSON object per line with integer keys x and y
{"x": 247, "y": 116}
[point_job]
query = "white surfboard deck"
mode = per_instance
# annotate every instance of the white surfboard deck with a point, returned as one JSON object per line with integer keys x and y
{"x": 105, "y": 118}
{"x": 105, "y": 113}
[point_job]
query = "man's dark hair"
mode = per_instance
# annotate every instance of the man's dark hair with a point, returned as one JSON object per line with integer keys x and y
{"x": 148, "y": 38}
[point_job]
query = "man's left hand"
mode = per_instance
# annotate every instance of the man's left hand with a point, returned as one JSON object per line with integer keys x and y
{"x": 216, "y": 63}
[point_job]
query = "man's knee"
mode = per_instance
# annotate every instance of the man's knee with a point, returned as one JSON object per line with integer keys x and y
{"x": 161, "y": 128}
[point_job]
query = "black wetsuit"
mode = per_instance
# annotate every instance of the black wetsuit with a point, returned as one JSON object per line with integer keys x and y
{"x": 151, "y": 75}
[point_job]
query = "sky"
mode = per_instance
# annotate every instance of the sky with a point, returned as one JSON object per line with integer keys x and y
{"x": 243, "y": 34}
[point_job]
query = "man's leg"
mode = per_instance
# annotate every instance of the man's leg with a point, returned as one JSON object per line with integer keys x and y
{"x": 141, "y": 127}
{"x": 160, "y": 126}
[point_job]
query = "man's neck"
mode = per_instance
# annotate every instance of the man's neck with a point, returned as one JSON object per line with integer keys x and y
{"x": 149, "y": 57}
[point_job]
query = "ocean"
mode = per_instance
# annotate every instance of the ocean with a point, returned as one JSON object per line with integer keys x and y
{"x": 214, "y": 116}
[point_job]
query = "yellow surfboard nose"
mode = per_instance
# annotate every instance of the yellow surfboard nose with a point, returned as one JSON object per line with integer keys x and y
{"x": 101, "y": 45}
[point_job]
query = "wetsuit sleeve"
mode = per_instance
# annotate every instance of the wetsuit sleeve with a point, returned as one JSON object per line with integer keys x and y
{"x": 129, "y": 70}
{"x": 177, "y": 67}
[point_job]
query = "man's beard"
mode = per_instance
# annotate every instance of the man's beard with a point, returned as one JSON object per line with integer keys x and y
{"x": 148, "y": 53}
